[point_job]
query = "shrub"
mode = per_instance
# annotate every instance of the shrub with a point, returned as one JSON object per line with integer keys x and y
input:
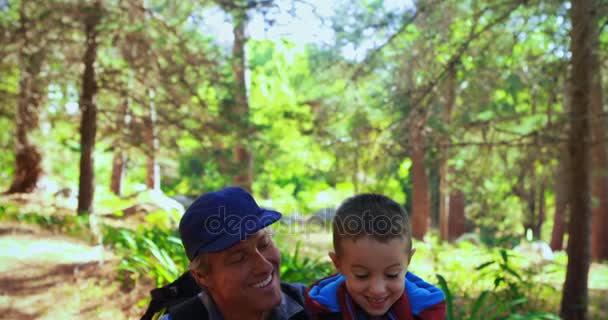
{"x": 512, "y": 295}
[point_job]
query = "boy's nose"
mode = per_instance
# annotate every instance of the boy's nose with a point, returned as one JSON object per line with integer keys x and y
{"x": 376, "y": 287}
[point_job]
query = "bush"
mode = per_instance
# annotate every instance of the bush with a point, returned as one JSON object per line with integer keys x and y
{"x": 155, "y": 254}
{"x": 511, "y": 296}
{"x": 295, "y": 268}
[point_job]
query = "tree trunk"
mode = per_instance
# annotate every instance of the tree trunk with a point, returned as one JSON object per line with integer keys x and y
{"x": 27, "y": 157}
{"x": 531, "y": 199}
{"x": 119, "y": 160}
{"x": 88, "y": 122}
{"x": 118, "y": 171}
{"x": 561, "y": 203}
{"x": 575, "y": 294}
{"x": 457, "y": 222}
{"x": 599, "y": 172}
{"x": 420, "y": 184}
{"x": 538, "y": 192}
{"x": 151, "y": 146}
{"x": 444, "y": 194}
{"x": 242, "y": 154}
{"x": 540, "y": 217}
{"x": 527, "y": 197}
{"x": 444, "y": 197}
{"x": 562, "y": 177}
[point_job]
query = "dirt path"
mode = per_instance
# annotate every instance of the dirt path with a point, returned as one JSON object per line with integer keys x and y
{"x": 46, "y": 276}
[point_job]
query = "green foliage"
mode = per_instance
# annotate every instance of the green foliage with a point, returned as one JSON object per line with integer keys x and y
{"x": 280, "y": 72}
{"x": 303, "y": 269}
{"x": 150, "y": 253}
{"x": 196, "y": 174}
{"x": 157, "y": 254}
{"x": 6, "y": 158}
{"x": 314, "y": 131}
{"x": 66, "y": 224}
{"x": 513, "y": 294}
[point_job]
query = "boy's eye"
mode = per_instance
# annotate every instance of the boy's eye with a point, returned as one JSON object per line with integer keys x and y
{"x": 361, "y": 275}
{"x": 392, "y": 275}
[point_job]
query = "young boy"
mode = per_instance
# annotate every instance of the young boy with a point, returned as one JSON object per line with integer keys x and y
{"x": 373, "y": 248}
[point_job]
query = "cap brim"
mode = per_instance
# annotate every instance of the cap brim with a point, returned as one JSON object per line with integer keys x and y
{"x": 241, "y": 230}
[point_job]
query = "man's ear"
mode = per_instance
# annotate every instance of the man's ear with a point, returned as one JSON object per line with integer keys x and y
{"x": 334, "y": 258}
{"x": 201, "y": 279}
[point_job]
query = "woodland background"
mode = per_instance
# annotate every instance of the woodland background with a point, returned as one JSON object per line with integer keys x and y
{"x": 485, "y": 119}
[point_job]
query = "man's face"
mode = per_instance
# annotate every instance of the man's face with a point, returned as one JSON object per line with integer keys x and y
{"x": 374, "y": 271}
{"x": 245, "y": 277}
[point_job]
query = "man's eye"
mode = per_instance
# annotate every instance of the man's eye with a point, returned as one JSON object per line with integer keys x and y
{"x": 264, "y": 245}
{"x": 237, "y": 259}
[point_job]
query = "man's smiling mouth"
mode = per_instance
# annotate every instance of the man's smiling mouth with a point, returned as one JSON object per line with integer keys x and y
{"x": 263, "y": 283}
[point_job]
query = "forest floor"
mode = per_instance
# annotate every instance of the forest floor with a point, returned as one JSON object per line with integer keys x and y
{"x": 50, "y": 276}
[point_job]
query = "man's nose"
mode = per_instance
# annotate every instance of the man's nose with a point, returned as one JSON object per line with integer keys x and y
{"x": 261, "y": 264}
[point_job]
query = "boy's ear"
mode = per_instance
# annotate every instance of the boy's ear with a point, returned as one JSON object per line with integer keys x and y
{"x": 412, "y": 251}
{"x": 334, "y": 258}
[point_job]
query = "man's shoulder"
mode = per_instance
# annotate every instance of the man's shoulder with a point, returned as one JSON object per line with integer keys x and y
{"x": 295, "y": 289}
{"x": 293, "y": 305}
{"x": 195, "y": 306}
{"x": 294, "y": 285}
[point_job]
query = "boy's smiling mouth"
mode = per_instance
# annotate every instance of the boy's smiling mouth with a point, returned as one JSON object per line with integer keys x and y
{"x": 377, "y": 302}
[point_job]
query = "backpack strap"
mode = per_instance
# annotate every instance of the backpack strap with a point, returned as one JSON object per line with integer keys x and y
{"x": 178, "y": 291}
{"x": 183, "y": 287}
{"x": 191, "y": 309}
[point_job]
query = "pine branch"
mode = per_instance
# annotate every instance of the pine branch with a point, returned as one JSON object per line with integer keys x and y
{"x": 409, "y": 19}
{"x": 455, "y": 59}
{"x": 417, "y": 94}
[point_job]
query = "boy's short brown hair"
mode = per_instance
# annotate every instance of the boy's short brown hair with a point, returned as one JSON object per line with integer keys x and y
{"x": 372, "y": 215}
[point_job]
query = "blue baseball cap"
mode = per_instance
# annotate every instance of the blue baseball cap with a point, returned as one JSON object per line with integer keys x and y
{"x": 218, "y": 220}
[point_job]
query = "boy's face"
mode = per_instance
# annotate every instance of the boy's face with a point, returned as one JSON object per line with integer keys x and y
{"x": 374, "y": 271}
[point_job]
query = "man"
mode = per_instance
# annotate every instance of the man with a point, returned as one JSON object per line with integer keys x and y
{"x": 235, "y": 261}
